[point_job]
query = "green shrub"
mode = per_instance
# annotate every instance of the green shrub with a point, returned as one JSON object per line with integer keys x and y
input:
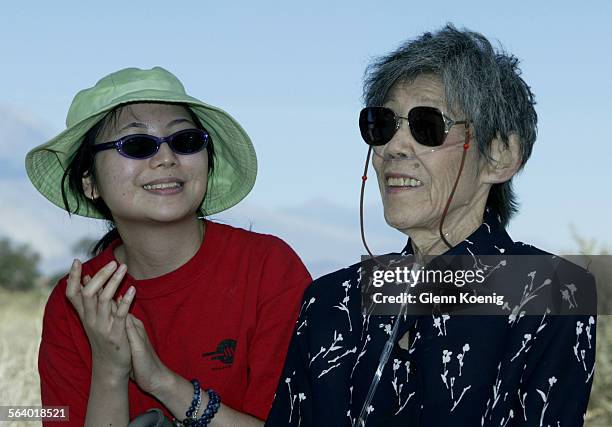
{"x": 18, "y": 266}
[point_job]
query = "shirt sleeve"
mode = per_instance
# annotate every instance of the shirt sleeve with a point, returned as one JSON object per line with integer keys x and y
{"x": 316, "y": 386}
{"x": 558, "y": 388}
{"x": 64, "y": 375}
{"x": 293, "y": 400}
{"x": 283, "y": 280}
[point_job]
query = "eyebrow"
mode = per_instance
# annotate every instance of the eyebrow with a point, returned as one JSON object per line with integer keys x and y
{"x": 144, "y": 126}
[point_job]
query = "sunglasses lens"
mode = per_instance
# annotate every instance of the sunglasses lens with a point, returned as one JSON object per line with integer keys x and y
{"x": 427, "y": 126}
{"x": 377, "y": 125}
{"x": 139, "y": 146}
{"x": 190, "y": 141}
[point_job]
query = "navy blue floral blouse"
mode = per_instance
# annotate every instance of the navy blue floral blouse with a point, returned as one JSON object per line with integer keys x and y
{"x": 455, "y": 370}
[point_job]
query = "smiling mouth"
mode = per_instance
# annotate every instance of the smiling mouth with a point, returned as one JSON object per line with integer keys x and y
{"x": 395, "y": 182}
{"x": 163, "y": 186}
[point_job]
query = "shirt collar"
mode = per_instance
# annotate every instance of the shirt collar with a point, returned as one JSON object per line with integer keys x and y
{"x": 490, "y": 238}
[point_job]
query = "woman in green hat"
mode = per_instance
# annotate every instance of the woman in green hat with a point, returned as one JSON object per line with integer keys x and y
{"x": 174, "y": 310}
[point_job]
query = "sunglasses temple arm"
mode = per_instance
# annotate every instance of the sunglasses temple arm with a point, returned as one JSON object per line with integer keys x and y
{"x": 104, "y": 146}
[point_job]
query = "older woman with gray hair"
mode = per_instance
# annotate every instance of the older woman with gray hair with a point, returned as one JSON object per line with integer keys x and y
{"x": 449, "y": 122}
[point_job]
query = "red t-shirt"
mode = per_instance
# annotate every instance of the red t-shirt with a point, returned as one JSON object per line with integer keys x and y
{"x": 225, "y": 317}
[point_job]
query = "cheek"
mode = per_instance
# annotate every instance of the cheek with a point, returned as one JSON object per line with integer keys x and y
{"x": 469, "y": 174}
{"x": 197, "y": 171}
{"x": 377, "y": 164}
{"x": 443, "y": 173}
{"x": 115, "y": 178}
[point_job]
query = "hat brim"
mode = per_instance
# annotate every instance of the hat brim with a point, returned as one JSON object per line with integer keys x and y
{"x": 235, "y": 160}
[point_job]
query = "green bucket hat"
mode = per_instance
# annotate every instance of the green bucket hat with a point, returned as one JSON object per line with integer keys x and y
{"x": 235, "y": 160}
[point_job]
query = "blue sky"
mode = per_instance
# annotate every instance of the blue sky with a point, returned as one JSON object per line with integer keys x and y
{"x": 291, "y": 74}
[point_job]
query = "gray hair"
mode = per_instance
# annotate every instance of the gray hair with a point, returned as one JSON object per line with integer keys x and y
{"x": 483, "y": 83}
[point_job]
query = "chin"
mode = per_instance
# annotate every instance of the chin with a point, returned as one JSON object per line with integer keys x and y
{"x": 399, "y": 220}
{"x": 170, "y": 215}
{"x": 405, "y": 218}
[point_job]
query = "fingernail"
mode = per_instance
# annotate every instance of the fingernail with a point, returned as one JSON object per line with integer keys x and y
{"x": 111, "y": 265}
{"x": 74, "y": 263}
{"x": 130, "y": 291}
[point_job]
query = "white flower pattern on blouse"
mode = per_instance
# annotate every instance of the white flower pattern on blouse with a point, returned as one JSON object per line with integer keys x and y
{"x": 455, "y": 370}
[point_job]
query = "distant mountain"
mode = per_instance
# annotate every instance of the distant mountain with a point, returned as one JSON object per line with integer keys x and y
{"x": 324, "y": 234}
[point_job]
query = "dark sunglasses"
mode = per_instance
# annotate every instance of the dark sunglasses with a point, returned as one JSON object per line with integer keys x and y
{"x": 428, "y": 125}
{"x": 142, "y": 146}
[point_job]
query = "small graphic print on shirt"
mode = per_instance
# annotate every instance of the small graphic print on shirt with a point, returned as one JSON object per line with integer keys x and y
{"x": 224, "y": 353}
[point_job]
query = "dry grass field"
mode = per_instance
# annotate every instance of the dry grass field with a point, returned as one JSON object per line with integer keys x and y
{"x": 20, "y": 328}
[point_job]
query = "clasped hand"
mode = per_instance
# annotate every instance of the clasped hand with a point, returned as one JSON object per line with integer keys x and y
{"x": 120, "y": 346}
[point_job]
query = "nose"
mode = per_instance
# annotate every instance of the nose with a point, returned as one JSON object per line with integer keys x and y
{"x": 402, "y": 145}
{"x": 164, "y": 157}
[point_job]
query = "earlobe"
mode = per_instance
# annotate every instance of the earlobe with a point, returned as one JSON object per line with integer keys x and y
{"x": 505, "y": 160}
{"x": 89, "y": 188}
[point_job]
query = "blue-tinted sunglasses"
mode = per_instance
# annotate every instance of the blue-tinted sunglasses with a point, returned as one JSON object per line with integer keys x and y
{"x": 143, "y": 146}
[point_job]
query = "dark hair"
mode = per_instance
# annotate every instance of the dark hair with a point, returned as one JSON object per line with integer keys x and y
{"x": 82, "y": 164}
{"x": 484, "y": 83}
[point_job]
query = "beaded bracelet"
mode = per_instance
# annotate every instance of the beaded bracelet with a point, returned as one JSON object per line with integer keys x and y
{"x": 192, "y": 412}
{"x": 214, "y": 402}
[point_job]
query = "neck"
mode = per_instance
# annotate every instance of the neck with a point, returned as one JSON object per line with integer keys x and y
{"x": 458, "y": 225}
{"x": 153, "y": 249}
